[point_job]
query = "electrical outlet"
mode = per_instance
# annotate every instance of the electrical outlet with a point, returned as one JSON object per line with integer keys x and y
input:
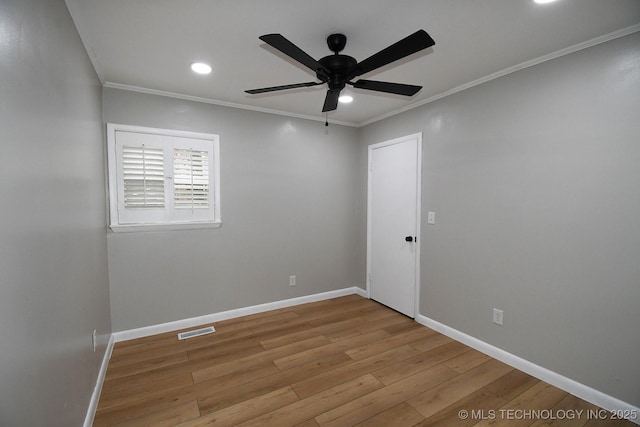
{"x": 292, "y": 280}
{"x": 498, "y": 316}
{"x": 93, "y": 340}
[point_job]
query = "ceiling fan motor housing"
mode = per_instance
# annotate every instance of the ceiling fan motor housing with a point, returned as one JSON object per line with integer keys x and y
{"x": 340, "y": 66}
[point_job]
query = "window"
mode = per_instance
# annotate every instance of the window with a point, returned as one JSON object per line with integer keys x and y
{"x": 161, "y": 179}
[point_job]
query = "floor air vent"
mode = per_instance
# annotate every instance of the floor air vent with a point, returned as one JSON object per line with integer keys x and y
{"x": 196, "y": 333}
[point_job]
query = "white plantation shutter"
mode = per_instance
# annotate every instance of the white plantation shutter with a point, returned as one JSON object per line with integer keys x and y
{"x": 143, "y": 176}
{"x": 162, "y": 177}
{"x": 192, "y": 194}
{"x": 190, "y": 179}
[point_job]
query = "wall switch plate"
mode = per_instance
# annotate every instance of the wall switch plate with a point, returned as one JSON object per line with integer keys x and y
{"x": 292, "y": 280}
{"x": 498, "y": 316}
{"x": 431, "y": 217}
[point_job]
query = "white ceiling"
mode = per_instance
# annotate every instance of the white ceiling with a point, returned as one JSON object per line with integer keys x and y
{"x": 148, "y": 45}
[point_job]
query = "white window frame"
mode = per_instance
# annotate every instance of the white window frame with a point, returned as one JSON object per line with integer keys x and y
{"x": 168, "y": 217}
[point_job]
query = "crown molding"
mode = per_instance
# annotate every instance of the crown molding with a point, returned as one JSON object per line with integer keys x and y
{"x": 140, "y": 89}
{"x": 553, "y": 55}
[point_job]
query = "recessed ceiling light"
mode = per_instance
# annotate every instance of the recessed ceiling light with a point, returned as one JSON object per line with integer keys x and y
{"x": 543, "y": 1}
{"x": 201, "y": 68}
{"x": 345, "y": 99}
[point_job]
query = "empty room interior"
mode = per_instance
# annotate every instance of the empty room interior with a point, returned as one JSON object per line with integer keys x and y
{"x": 358, "y": 213}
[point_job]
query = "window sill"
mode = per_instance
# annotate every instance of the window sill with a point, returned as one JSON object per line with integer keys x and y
{"x": 128, "y": 228}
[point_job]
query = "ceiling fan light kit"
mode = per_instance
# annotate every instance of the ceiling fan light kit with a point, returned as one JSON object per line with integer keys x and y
{"x": 339, "y": 70}
{"x": 201, "y": 68}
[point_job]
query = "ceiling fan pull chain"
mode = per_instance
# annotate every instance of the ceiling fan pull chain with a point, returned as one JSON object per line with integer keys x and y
{"x": 326, "y": 119}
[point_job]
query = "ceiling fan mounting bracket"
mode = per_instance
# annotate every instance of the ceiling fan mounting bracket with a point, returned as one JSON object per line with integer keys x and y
{"x": 336, "y": 42}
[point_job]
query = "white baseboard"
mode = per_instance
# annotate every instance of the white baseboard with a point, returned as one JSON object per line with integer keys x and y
{"x": 230, "y": 314}
{"x": 359, "y": 291}
{"x": 195, "y": 321}
{"x": 95, "y": 396}
{"x": 582, "y": 391}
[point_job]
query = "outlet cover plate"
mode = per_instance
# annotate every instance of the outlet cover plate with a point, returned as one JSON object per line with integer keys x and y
{"x": 498, "y": 316}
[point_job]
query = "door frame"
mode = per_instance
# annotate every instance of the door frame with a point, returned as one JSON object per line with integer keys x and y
{"x": 418, "y": 137}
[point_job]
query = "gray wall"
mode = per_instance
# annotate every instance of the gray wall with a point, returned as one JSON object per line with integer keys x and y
{"x": 290, "y": 198}
{"x": 534, "y": 178}
{"x": 53, "y": 252}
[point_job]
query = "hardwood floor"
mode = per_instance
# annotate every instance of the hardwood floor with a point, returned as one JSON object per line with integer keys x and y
{"x": 341, "y": 362}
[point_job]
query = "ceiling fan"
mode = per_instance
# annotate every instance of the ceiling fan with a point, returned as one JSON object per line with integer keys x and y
{"x": 339, "y": 70}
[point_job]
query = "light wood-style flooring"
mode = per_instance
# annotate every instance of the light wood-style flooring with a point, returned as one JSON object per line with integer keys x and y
{"x": 341, "y": 362}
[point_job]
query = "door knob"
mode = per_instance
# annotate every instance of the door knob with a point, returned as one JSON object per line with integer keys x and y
{"x": 408, "y": 239}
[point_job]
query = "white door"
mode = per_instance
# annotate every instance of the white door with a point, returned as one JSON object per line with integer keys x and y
{"x": 393, "y": 226}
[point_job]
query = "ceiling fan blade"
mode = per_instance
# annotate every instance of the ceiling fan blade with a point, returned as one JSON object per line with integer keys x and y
{"x": 283, "y": 87}
{"x": 285, "y": 46}
{"x": 405, "y": 47}
{"x": 397, "y": 88}
{"x": 331, "y": 101}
